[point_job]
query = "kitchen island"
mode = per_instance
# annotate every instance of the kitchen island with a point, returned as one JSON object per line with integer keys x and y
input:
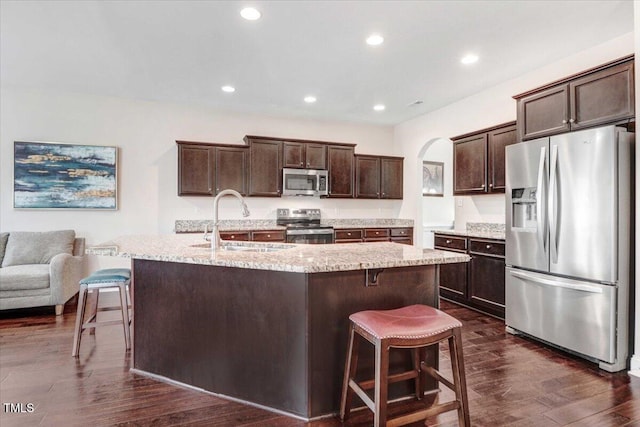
{"x": 267, "y": 323}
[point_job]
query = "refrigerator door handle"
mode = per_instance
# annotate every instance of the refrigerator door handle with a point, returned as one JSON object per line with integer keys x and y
{"x": 553, "y": 195}
{"x": 540, "y": 223}
{"x": 558, "y": 283}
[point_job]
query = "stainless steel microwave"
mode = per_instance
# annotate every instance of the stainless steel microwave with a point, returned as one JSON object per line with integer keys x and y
{"x": 305, "y": 182}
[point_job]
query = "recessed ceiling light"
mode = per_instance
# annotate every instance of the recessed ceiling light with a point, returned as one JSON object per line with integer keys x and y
{"x": 228, "y": 89}
{"x": 250, "y": 14}
{"x": 379, "y": 107}
{"x": 310, "y": 99}
{"x": 470, "y": 58}
{"x": 375, "y": 40}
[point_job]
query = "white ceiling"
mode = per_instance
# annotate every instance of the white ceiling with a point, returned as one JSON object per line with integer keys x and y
{"x": 184, "y": 51}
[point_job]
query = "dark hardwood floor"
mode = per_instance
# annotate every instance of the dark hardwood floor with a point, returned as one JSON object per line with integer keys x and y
{"x": 511, "y": 381}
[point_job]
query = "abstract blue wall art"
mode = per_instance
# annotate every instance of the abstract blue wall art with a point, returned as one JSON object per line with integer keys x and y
{"x": 53, "y": 176}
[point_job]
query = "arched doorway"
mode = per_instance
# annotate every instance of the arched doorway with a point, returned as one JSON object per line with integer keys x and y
{"x": 435, "y": 211}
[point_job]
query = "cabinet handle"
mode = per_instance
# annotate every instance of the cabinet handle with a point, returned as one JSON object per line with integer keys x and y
{"x": 448, "y": 241}
{"x": 301, "y": 163}
{"x": 564, "y": 122}
{"x": 488, "y": 246}
{"x": 308, "y": 164}
{"x": 268, "y": 235}
{"x": 482, "y": 186}
{"x": 348, "y": 234}
{"x": 490, "y": 185}
{"x": 572, "y": 120}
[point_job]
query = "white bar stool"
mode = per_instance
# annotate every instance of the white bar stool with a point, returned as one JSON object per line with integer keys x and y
{"x": 102, "y": 279}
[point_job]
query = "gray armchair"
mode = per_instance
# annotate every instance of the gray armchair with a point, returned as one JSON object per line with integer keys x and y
{"x": 40, "y": 268}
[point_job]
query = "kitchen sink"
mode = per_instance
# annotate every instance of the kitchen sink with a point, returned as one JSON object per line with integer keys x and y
{"x": 239, "y": 248}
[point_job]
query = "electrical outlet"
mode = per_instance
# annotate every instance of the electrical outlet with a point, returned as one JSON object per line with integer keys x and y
{"x": 459, "y": 202}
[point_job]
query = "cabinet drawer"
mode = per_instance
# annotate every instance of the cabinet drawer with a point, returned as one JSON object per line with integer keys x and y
{"x": 401, "y": 232}
{"x": 269, "y": 236}
{"x": 234, "y": 235}
{"x": 486, "y": 247}
{"x": 451, "y": 243}
{"x": 354, "y": 234}
{"x": 373, "y": 233}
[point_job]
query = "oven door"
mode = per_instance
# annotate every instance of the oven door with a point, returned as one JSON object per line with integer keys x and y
{"x": 310, "y": 236}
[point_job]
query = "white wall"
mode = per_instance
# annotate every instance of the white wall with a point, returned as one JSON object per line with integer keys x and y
{"x": 490, "y": 107}
{"x": 145, "y": 133}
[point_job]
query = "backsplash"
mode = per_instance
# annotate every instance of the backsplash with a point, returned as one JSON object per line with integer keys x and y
{"x": 485, "y": 227}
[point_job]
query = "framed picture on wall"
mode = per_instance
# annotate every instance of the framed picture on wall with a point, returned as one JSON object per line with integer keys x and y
{"x": 433, "y": 179}
{"x": 64, "y": 176}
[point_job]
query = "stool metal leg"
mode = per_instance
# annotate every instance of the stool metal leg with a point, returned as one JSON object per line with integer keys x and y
{"x": 94, "y": 297}
{"x": 125, "y": 314}
{"x": 77, "y": 336}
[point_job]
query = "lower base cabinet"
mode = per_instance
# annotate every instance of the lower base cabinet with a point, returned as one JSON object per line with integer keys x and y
{"x": 478, "y": 284}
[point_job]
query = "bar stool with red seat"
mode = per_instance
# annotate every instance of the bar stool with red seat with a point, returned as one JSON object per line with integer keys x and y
{"x": 414, "y": 327}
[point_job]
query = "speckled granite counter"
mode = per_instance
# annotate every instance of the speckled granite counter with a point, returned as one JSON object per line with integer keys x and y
{"x": 191, "y": 249}
{"x": 198, "y": 225}
{"x": 481, "y": 230}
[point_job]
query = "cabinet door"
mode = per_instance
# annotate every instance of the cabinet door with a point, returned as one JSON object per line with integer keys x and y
{"x": 231, "y": 169}
{"x": 235, "y": 235}
{"x": 293, "y": 154}
{"x": 497, "y": 141}
{"x": 453, "y": 281}
{"x": 544, "y": 113}
{"x": 367, "y": 177}
{"x": 265, "y": 168}
{"x": 340, "y": 165}
{"x": 195, "y": 170}
{"x": 602, "y": 97}
{"x": 486, "y": 283}
{"x": 316, "y": 155}
{"x": 470, "y": 165}
{"x": 391, "y": 179}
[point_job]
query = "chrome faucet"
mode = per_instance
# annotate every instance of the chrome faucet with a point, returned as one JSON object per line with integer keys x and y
{"x": 215, "y": 231}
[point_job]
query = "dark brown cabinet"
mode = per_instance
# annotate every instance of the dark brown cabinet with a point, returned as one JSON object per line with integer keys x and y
{"x": 402, "y": 235}
{"x": 478, "y": 160}
{"x": 497, "y": 140}
{"x": 254, "y": 236}
{"x": 478, "y": 284}
{"x": 378, "y": 177}
{"x": 340, "y": 166}
{"x": 486, "y": 275}
{"x": 470, "y": 164}
{"x": 265, "y": 167}
{"x": 304, "y": 155}
{"x": 598, "y": 96}
{"x": 207, "y": 169}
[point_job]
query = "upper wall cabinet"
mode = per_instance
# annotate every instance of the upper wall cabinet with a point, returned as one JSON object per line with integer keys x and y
{"x": 340, "y": 166}
{"x": 265, "y": 167}
{"x": 478, "y": 160}
{"x": 304, "y": 155}
{"x": 207, "y": 169}
{"x": 378, "y": 177}
{"x": 598, "y": 96}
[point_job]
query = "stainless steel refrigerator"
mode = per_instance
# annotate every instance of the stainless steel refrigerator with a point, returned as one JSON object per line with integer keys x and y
{"x": 568, "y": 242}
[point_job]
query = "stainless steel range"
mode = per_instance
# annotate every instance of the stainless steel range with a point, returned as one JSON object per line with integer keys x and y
{"x": 303, "y": 226}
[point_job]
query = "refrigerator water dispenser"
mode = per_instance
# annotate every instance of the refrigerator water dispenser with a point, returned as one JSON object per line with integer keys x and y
{"x": 523, "y": 209}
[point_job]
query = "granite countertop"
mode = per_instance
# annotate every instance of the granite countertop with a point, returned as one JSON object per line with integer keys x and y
{"x": 192, "y": 249}
{"x": 483, "y": 230}
{"x": 197, "y": 225}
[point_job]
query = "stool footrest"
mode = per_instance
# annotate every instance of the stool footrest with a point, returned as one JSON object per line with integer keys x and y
{"x": 101, "y": 323}
{"x": 421, "y": 415}
{"x": 362, "y": 395}
{"x": 402, "y": 376}
{"x": 438, "y": 376}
